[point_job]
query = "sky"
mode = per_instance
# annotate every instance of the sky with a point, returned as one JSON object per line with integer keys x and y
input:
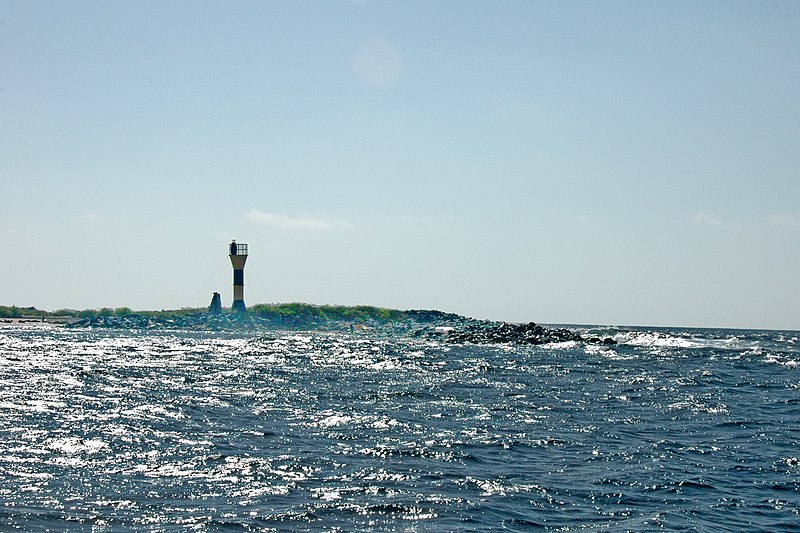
{"x": 619, "y": 162}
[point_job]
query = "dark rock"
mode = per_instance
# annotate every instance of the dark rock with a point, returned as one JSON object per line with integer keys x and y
{"x": 484, "y": 332}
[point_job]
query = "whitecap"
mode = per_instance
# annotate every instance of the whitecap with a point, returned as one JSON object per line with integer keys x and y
{"x": 334, "y": 420}
{"x": 77, "y": 445}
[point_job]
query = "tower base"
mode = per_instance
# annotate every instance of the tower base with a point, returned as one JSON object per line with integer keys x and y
{"x": 238, "y": 306}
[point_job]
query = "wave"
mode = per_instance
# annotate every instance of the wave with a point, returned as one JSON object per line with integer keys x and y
{"x": 689, "y": 340}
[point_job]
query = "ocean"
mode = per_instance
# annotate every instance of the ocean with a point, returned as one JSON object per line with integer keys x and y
{"x": 669, "y": 430}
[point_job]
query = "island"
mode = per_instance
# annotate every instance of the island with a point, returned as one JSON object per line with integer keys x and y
{"x": 421, "y": 324}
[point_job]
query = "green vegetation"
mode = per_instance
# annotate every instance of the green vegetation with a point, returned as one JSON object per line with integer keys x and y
{"x": 173, "y": 313}
{"x": 32, "y": 312}
{"x": 323, "y": 313}
{"x": 282, "y": 313}
{"x": 20, "y": 312}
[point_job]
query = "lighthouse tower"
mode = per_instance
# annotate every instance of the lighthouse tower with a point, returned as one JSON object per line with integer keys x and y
{"x": 238, "y": 255}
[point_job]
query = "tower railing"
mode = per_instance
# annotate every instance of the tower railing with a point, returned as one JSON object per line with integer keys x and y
{"x": 238, "y": 249}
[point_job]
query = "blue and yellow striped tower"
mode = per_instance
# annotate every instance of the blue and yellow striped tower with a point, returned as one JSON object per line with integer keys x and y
{"x": 238, "y": 257}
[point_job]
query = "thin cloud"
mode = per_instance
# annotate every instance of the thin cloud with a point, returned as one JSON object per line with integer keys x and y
{"x": 377, "y": 63}
{"x": 705, "y": 218}
{"x": 790, "y": 221}
{"x": 303, "y": 222}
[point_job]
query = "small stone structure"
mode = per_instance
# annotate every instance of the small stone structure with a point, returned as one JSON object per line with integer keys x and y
{"x": 216, "y": 304}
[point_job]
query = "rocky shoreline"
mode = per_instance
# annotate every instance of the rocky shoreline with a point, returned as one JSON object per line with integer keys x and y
{"x": 421, "y": 324}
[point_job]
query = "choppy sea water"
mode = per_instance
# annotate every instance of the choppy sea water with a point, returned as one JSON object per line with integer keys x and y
{"x": 166, "y": 431}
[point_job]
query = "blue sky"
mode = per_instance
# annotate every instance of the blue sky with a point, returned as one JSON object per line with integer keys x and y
{"x": 562, "y": 162}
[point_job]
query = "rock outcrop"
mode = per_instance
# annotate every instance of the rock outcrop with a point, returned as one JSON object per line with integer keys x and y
{"x": 423, "y": 324}
{"x": 465, "y": 330}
